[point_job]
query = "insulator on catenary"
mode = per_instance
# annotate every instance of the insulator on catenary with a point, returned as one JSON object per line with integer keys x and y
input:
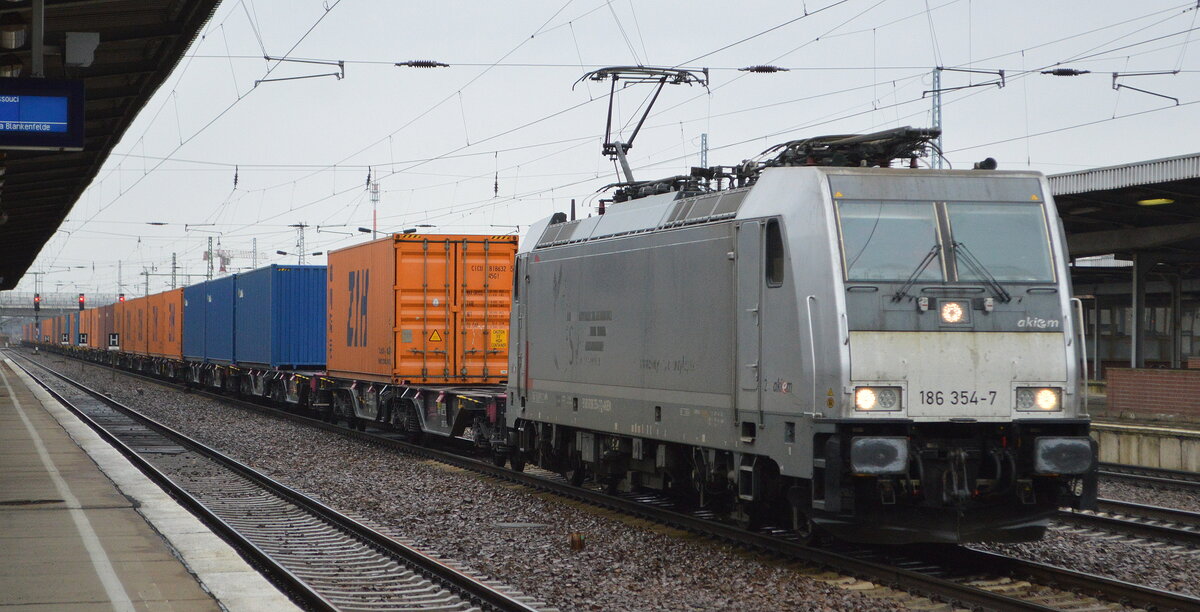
{"x": 763, "y": 69}
{"x": 423, "y": 64}
{"x": 1066, "y": 72}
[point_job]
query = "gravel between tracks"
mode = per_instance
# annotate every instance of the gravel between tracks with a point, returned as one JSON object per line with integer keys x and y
{"x": 1140, "y": 562}
{"x": 1137, "y": 562}
{"x": 1150, "y": 494}
{"x": 485, "y": 525}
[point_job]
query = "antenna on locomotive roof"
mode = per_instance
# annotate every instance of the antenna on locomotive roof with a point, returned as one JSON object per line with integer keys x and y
{"x": 616, "y": 149}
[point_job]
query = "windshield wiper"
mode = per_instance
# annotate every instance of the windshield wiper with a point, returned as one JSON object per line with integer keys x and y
{"x": 961, "y": 251}
{"x": 912, "y": 278}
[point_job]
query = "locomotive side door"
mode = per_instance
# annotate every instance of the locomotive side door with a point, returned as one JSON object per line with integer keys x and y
{"x": 748, "y": 340}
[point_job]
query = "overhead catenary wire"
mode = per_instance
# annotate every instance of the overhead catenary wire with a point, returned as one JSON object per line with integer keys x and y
{"x": 212, "y": 121}
{"x": 469, "y": 153}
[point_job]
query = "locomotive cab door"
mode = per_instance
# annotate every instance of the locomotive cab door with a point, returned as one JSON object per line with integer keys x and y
{"x": 749, "y": 279}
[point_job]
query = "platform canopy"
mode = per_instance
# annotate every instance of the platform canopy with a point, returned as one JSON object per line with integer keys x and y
{"x": 140, "y": 43}
{"x": 1144, "y": 206}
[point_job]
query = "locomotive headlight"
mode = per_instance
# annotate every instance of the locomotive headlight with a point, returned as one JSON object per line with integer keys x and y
{"x": 954, "y": 312}
{"x": 877, "y": 398}
{"x": 1032, "y": 399}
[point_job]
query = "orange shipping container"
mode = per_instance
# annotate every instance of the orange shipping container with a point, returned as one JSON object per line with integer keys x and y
{"x": 132, "y": 325}
{"x": 118, "y": 328}
{"x": 421, "y": 309}
{"x": 87, "y": 324}
{"x": 105, "y": 325}
{"x": 164, "y": 324}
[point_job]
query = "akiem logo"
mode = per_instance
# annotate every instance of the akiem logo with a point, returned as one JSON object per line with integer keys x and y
{"x": 356, "y": 319}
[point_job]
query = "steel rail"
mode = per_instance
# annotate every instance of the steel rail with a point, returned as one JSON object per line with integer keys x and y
{"x": 1121, "y": 591}
{"x": 466, "y": 586}
{"x": 921, "y": 582}
{"x": 1182, "y": 528}
{"x": 1137, "y": 473}
{"x": 296, "y": 588}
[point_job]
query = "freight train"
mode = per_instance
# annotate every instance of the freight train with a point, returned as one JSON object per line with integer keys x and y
{"x": 816, "y": 340}
{"x": 407, "y": 332}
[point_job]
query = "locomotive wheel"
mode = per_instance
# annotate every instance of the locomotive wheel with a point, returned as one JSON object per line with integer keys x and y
{"x": 518, "y": 465}
{"x": 497, "y": 459}
{"x": 806, "y": 531}
{"x": 747, "y": 516}
{"x": 575, "y": 474}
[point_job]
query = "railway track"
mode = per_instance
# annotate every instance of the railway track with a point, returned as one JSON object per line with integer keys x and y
{"x": 1177, "y": 527}
{"x": 955, "y": 574}
{"x": 1148, "y": 475}
{"x": 323, "y": 559}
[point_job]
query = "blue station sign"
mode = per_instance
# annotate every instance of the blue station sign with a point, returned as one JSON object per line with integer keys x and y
{"x": 33, "y": 114}
{"x": 41, "y": 114}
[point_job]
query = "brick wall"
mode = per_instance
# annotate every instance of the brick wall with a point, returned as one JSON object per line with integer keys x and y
{"x": 1153, "y": 394}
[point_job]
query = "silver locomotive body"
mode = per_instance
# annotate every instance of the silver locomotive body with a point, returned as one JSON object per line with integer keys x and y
{"x": 884, "y": 354}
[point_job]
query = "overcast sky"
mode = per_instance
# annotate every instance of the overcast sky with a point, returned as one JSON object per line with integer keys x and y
{"x": 500, "y": 138}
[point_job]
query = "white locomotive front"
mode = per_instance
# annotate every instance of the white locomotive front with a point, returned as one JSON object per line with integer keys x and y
{"x": 885, "y": 354}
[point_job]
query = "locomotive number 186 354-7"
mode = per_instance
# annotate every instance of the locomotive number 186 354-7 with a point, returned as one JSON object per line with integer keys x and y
{"x": 957, "y": 398}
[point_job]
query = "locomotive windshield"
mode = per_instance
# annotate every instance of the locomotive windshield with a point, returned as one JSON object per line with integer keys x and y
{"x": 890, "y": 240}
{"x": 1010, "y": 240}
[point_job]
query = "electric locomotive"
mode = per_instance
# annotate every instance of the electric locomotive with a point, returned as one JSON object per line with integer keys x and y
{"x": 817, "y": 340}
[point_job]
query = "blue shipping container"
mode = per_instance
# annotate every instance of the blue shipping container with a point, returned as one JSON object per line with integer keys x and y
{"x": 280, "y": 316}
{"x": 74, "y": 337}
{"x": 193, "y": 322}
{"x": 218, "y": 319}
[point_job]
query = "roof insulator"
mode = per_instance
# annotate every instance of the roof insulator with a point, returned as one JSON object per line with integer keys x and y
{"x": 423, "y": 64}
{"x": 1066, "y": 72}
{"x": 763, "y": 69}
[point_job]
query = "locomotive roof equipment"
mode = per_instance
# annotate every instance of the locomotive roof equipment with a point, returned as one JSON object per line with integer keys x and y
{"x": 632, "y": 75}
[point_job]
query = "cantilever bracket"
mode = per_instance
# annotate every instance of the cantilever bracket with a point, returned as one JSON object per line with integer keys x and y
{"x": 340, "y": 74}
{"x": 1119, "y": 86}
{"x": 998, "y": 81}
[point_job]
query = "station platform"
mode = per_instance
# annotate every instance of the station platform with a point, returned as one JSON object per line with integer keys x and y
{"x": 82, "y": 529}
{"x": 1148, "y": 445}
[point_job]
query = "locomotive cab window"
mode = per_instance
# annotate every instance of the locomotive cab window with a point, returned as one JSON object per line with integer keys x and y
{"x": 1009, "y": 239}
{"x": 889, "y": 241}
{"x": 775, "y": 262}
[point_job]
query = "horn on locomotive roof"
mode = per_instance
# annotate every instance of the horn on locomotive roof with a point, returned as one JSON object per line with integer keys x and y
{"x": 633, "y": 75}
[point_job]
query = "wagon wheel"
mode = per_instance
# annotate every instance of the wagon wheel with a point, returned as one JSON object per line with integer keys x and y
{"x": 412, "y": 425}
{"x": 516, "y": 463}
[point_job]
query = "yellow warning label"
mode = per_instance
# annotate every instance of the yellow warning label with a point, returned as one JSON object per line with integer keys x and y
{"x": 499, "y": 339}
{"x": 837, "y": 194}
{"x": 1034, "y": 198}
{"x": 435, "y": 336}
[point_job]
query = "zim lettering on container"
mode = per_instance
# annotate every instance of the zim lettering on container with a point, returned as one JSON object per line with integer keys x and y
{"x": 359, "y": 282}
